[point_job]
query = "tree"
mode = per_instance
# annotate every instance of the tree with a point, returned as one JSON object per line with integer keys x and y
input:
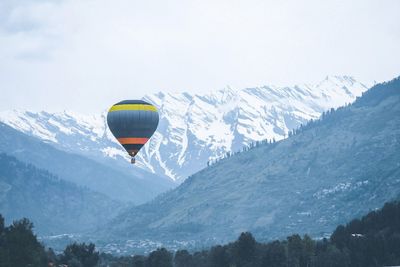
{"x": 340, "y": 237}
{"x": 1, "y": 224}
{"x": 183, "y": 259}
{"x": 331, "y": 257}
{"x": 274, "y": 255}
{"x": 218, "y": 257}
{"x": 138, "y": 261}
{"x": 4, "y": 261}
{"x": 295, "y": 248}
{"x": 244, "y": 249}
{"x": 160, "y": 258}
{"x": 20, "y": 246}
{"x": 200, "y": 259}
{"x": 308, "y": 251}
{"x": 77, "y": 255}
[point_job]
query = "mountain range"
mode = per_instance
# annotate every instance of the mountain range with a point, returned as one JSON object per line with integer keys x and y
{"x": 306, "y": 183}
{"x": 194, "y": 128}
{"x": 326, "y": 173}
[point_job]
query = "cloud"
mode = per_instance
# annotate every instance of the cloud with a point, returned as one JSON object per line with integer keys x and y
{"x": 84, "y": 55}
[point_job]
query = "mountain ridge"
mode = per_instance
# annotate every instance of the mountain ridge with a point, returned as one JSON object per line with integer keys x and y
{"x": 194, "y": 128}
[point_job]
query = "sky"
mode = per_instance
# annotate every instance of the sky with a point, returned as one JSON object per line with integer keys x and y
{"x": 85, "y": 55}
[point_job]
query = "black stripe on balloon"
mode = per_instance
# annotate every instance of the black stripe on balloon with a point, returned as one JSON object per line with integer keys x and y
{"x": 129, "y": 147}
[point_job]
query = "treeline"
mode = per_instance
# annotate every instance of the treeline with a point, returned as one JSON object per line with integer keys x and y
{"x": 373, "y": 240}
{"x": 266, "y": 142}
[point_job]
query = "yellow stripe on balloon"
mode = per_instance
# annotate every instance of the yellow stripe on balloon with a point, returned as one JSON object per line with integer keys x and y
{"x": 133, "y": 107}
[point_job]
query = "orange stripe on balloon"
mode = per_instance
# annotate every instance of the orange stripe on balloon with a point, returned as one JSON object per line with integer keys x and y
{"x": 133, "y": 140}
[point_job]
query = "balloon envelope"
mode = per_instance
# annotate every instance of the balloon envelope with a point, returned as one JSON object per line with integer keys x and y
{"x": 132, "y": 122}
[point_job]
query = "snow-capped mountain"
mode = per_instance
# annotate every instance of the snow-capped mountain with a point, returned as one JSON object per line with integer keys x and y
{"x": 194, "y": 128}
{"x": 327, "y": 173}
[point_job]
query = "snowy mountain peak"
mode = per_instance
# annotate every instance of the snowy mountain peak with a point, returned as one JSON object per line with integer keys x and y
{"x": 194, "y": 128}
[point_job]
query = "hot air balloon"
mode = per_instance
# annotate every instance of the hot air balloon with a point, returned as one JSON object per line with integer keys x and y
{"x": 132, "y": 122}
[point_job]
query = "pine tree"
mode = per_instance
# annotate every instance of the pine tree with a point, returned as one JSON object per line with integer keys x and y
{"x": 183, "y": 259}
{"x": 244, "y": 249}
{"x": 218, "y": 257}
{"x": 19, "y": 246}
{"x": 274, "y": 255}
{"x": 159, "y": 258}
{"x": 80, "y": 255}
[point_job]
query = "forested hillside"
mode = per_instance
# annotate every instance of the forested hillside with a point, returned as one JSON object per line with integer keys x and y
{"x": 54, "y": 206}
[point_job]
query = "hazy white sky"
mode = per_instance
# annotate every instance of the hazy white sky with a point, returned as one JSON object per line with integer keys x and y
{"x": 84, "y": 55}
